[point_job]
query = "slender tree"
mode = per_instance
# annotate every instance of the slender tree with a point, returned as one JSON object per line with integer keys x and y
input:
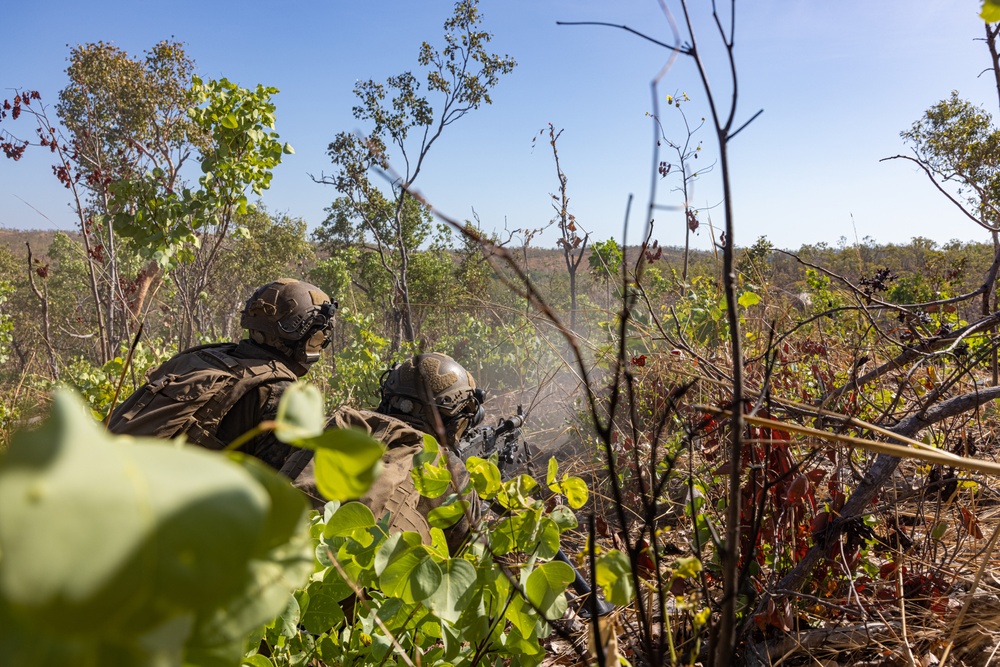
{"x": 404, "y": 125}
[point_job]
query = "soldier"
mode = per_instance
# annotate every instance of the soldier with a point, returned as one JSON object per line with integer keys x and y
{"x": 212, "y": 394}
{"x": 430, "y": 393}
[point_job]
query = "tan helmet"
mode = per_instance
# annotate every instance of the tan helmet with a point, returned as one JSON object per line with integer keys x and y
{"x": 431, "y": 387}
{"x": 291, "y": 316}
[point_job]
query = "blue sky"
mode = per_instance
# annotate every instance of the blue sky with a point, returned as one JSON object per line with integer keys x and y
{"x": 837, "y": 82}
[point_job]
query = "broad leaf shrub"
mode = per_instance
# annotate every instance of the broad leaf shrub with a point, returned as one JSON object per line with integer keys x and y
{"x": 377, "y": 599}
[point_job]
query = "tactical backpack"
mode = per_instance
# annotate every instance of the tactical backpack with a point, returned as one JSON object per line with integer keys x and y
{"x": 191, "y": 393}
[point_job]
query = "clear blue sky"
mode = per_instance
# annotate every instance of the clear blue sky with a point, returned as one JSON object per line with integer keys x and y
{"x": 837, "y": 82}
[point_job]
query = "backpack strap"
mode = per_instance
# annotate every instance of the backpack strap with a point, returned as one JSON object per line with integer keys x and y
{"x": 151, "y": 390}
{"x": 248, "y": 375}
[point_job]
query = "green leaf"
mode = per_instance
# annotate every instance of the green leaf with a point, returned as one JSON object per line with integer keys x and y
{"x": 447, "y": 515}
{"x": 515, "y": 493}
{"x": 550, "y": 475}
{"x": 300, "y": 413}
{"x": 324, "y": 611}
{"x": 458, "y": 577}
{"x": 257, "y": 660}
{"x": 395, "y": 545}
{"x": 526, "y": 532}
{"x": 940, "y": 528}
{"x": 430, "y": 451}
{"x": 748, "y": 299}
{"x": 287, "y": 622}
{"x": 614, "y": 576}
{"x": 230, "y": 121}
{"x": 546, "y": 588}
{"x": 575, "y": 490}
{"x": 523, "y": 618}
{"x": 564, "y": 518}
{"x": 347, "y": 462}
{"x": 412, "y": 575}
{"x": 547, "y": 538}
{"x": 439, "y": 543}
{"x": 352, "y": 520}
{"x": 430, "y": 480}
{"x": 687, "y": 567}
{"x": 287, "y": 149}
{"x": 485, "y": 477}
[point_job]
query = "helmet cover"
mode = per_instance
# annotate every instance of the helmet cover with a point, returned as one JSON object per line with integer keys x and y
{"x": 432, "y": 383}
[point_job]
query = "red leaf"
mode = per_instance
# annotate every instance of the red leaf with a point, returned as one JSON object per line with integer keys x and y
{"x": 970, "y": 522}
{"x": 798, "y": 489}
{"x": 646, "y": 565}
{"x": 820, "y": 522}
{"x": 816, "y": 475}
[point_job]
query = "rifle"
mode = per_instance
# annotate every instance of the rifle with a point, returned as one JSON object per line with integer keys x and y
{"x": 506, "y": 439}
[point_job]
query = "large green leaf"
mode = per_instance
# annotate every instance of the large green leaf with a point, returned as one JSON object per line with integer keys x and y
{"x": 430, "y": 480}
{"x": 614, "y": 575}
{"x": 527, "y": 532}
{"x": 351, "y": 520}
{"x": 448, "y": 515}
{"x": 451, "y": 598}
{"x": 394, "y": 546}
{"x": 282, "y": 563}
{"x": 412, "y": 575}
{"x": 516, "y": 493}
{"x": 300, "y": 413}
{"x": 140, "y": 548}
{"x": 347, "y": 462}
{"x": 575, "y": 490}
{"x": 522, "y": 617}
{"x": 564, "y": 518}
{"x": 546, "y": 588}
{"x": 485, "y": 477}
{"x": 324, "y": 611}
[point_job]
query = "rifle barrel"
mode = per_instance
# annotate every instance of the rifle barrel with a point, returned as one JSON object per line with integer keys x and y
{"x": 583, "y": 589}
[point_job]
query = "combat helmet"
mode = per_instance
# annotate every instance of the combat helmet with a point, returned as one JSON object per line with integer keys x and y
{"x": 293, "y": 317}
{"x": 433, "y": 390}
